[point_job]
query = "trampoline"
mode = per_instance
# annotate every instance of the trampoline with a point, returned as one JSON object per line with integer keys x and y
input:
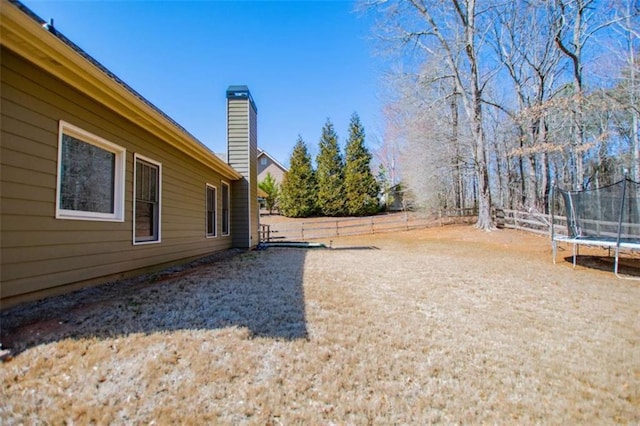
{"x": 607, "y": 217}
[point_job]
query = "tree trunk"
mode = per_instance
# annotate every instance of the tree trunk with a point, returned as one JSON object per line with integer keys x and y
{"x": 575, "y": 56}
{"x": 458, "y": 187}
{"x": 636, "y": 148}
{"x": 633, "y": 95}
{"x": 482, "y": 173}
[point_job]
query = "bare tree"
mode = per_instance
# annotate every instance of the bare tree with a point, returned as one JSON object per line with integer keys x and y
{"x": 524, "y": 43}
{"x": 577, "y": 24}
{"x": 627, "y": 21}
{"x": 434, "y": 151}
{"x": 511, "y": 90}
{"x": 413, "y": 123}
{"x": 452, "y": 32}
{"x": 387, "y": 151}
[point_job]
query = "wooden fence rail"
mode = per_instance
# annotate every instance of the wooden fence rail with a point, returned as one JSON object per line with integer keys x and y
{"x": 326, "y": 228}
{"x": 539, "y": 223}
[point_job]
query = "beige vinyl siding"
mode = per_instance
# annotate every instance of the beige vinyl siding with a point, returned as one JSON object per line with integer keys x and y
{"x": 237, "y": 148}
{"x": 252, "y": 161}
{"x": 40, "y": 252}
{"x": 239, "y": 217}
{"x": 225, "y": 208}
{"x": 238, "y": 131}
{"x": 276, "y": 172}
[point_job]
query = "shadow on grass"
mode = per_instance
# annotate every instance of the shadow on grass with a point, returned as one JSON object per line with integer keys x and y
{"x": 626, "y": 266}
{"x": 261, "y": 291}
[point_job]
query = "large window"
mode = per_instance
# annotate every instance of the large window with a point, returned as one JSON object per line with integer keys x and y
{"x": 211, "y": 210}
{"x": 146, "y": 209}
{"x": 90, "y": 176}
{"x": 225, "y": 208}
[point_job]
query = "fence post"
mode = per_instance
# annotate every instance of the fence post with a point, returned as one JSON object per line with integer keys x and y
{"x": 499, "y": 218}
{"x": 372, "y": 230}
{"x": 302, "y": 231}
{"x": 337, "y": 228}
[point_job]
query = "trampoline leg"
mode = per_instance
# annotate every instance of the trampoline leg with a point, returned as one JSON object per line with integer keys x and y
{"x": 616, "y": 266}
{"x": 575, "y": 254}
{"x": 554, "y": 249}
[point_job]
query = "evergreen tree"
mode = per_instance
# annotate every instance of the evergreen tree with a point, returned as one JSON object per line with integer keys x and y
{"x": 360, "y": 186}
{"x": 330, "y": 174}
{"x": 299, "y": 188}
{"x": 272, "y": 189}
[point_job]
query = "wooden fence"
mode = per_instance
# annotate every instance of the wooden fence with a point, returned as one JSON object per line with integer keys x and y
{"x": 539, "y": 223}
{"x": 326, "y": 227}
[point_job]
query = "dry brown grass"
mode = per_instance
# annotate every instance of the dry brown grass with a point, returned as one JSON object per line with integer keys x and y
{"x": 447, "y": 325}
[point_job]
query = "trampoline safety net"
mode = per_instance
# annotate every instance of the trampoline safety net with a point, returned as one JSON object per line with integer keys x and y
{"x": 608, "y": 213}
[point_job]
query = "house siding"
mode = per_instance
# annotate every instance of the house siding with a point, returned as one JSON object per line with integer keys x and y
{"x": 242, "y": 154}
{"x": 276, "y": 172}
{"x": 40, "y": 252}
{"x": 237, "y": 156}
{"x": 254, "y": 207}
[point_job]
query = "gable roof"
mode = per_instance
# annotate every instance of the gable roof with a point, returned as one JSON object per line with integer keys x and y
{"x": 26, "y": 34}
{"x": 276, "y": 162}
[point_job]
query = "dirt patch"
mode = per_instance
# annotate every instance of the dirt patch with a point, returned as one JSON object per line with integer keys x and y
{"x": 449, "y": 325}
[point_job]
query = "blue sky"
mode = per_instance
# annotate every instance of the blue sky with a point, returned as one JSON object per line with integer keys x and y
{"x": 304, "y": 61}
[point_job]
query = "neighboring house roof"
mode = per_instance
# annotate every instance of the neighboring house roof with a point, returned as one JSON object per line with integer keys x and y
{"x": 28, "y": 35}
{"x": 276, "y": 162}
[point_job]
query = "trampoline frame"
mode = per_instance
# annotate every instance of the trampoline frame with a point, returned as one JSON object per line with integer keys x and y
{"x": 616, "y": 243}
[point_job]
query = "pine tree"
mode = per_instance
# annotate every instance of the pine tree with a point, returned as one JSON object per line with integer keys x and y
{"x": 330, "y": 174}
{"x": 272, "y": 189}
{"x": 299, "y": 188}
{"x": 360, "y": 186}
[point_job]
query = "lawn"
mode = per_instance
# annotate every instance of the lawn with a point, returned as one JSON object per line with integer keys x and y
{"x": 450, "y": 325}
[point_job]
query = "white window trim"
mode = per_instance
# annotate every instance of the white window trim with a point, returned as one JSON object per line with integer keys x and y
{"x": 215, "y": 207}
{"x": 137, "y": 157}
{"x": 119, "y": 176}
{"x": 222, "y": 233}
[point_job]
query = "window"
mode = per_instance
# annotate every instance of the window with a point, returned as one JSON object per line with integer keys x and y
{"x": 263, "y": 161}
{"x": 90, "y": 176}
{"x": 211, "y": 211}
{"x": 225, "y": 208}
{"x": 146, "y": 209}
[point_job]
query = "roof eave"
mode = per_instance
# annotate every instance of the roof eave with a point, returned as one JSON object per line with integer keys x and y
{"x": 277, "y": 163}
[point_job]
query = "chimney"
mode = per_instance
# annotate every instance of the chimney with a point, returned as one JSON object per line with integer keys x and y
{"x": 242, "y": 152}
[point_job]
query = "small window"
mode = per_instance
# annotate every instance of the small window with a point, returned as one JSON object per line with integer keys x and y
{"x": 146, "y": 210}
{"x": 211, "y": 211}
{"x": 263, "y": 161}
{"x": 90, "y": 176}
{"x": 225, "y": 209}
